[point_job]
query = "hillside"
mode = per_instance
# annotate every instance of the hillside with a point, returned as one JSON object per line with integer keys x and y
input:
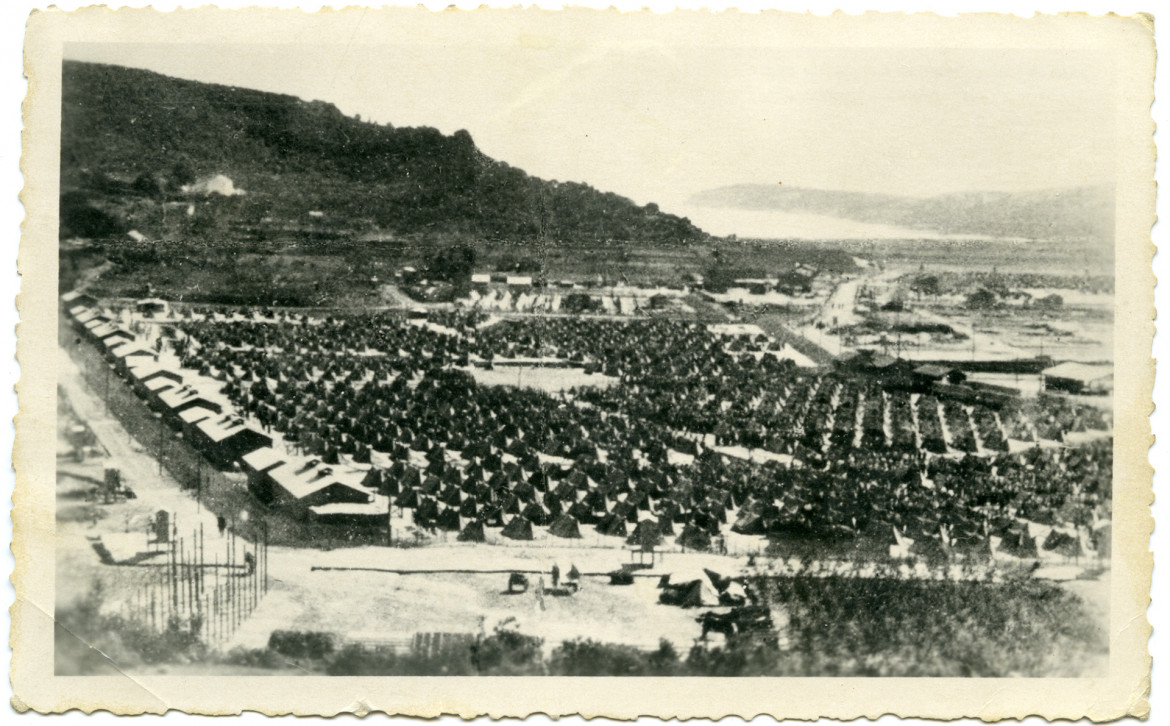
{"x": 131, "y": 139}
{"x": 1081, "y": 213}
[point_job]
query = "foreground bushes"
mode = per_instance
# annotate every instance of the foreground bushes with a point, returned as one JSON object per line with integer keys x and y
{"x": 504, "y": 653}
{"x": 834, "y": 626}
{"x": 88, "y": 641}
{"x": 851, "y": 626}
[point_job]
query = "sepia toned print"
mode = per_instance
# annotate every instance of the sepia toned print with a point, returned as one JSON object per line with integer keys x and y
{"x": 565, "y": 347}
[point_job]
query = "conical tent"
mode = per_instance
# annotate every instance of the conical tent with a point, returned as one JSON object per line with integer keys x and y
{"x": 426, "y": 510}
{"x": 430, "y": 485}
{"x": 537, "y": 514}
{"x": 612, "y": 525}
{"x": 408, "y": 499}
{"x": 665, "y": 527}
{"x": 1063, "y": 543}
{"x": 694, "y": 538}
{"x": 448, "y": 520}
{"x": 748, "y": 522}
{"x": 565, "y": 526}
{"x": 519, "y": 528}
{"x": 689, "y": 588}
{"x": 720, "y": 582}
{"x": 583, "y": 513}
{"x": 473, "y": 532}
{"x": 492, "y": 516}
{"x": 409, "y": 478}
{"x": 373, "y": 479}
{"x": 1019, "y": 544}
{"x": 468, "y": 507}
{"x": 645, "y": 535}
{"x": 735, "y": 594}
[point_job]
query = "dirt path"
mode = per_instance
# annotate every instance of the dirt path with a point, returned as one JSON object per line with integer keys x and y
{"x": 78, "y": 564}
{"x": 140, "y": 470}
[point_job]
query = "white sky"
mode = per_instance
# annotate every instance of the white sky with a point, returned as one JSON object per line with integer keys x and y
{"x": 661, "y": 121}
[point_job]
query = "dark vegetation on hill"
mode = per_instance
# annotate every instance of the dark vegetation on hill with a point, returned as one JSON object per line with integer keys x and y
{"x": 131, "y": 138}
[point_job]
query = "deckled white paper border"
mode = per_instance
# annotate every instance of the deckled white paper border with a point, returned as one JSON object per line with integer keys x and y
{"x": 848, "y": 6}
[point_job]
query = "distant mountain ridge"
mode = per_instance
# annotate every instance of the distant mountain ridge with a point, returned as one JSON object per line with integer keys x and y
{"x": 1077, "y": 213}
{"x": 130, "y": 128}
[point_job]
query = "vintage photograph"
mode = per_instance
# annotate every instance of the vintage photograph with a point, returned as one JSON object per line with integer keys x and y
{"x": 601, "y": 355}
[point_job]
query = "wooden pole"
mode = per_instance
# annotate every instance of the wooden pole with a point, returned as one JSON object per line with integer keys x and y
{"x": 201, "y": 558}
{"x": 227, "y": 585}
{"x": 255, "y": 573}
{"x": 215, "y": 597}
{"x": 235, "y": 599}
{"x": 173, "y": 575}
{"x": 181, "y": 577}
{"x": 191, "y": 593}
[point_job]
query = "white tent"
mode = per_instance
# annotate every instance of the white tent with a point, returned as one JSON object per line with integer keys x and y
{"x": 695, "y": 577}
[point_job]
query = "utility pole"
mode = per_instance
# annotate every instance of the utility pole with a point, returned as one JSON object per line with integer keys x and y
{"x": 898, "y": 330}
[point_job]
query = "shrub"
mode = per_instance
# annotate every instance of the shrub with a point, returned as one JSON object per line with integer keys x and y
{"x": 507, "y": 652}
{"x": 354, "y": 660}
{"x": 587, "y": 657}
{"x": 301, "y": 644}
{"x": 88, "y": 641}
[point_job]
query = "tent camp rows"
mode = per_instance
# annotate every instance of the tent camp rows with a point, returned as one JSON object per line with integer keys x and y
{"x": 692, "y": 380}
{"x": 339, "y": 405}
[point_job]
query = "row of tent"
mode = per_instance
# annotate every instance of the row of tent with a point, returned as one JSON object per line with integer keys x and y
{"x": 453, "y": 498}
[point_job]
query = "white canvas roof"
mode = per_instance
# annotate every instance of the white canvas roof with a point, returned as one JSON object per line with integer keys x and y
{"x": 179, "y": 396}
{"x": 196, "y": 414}
{"x": 217, "y": 429}
{"x": 688, "y": 574}
{"x": 103, "y": 328}
{"x": 159, "y": 384}
{"x": 300, "y": 480}
{"x": 128, "y": 349}
{"x": 264, "y": 459}
{"x": 83, "y": 314}
{"x": 146, "y": 369}
{"x": 375, "y": 508}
